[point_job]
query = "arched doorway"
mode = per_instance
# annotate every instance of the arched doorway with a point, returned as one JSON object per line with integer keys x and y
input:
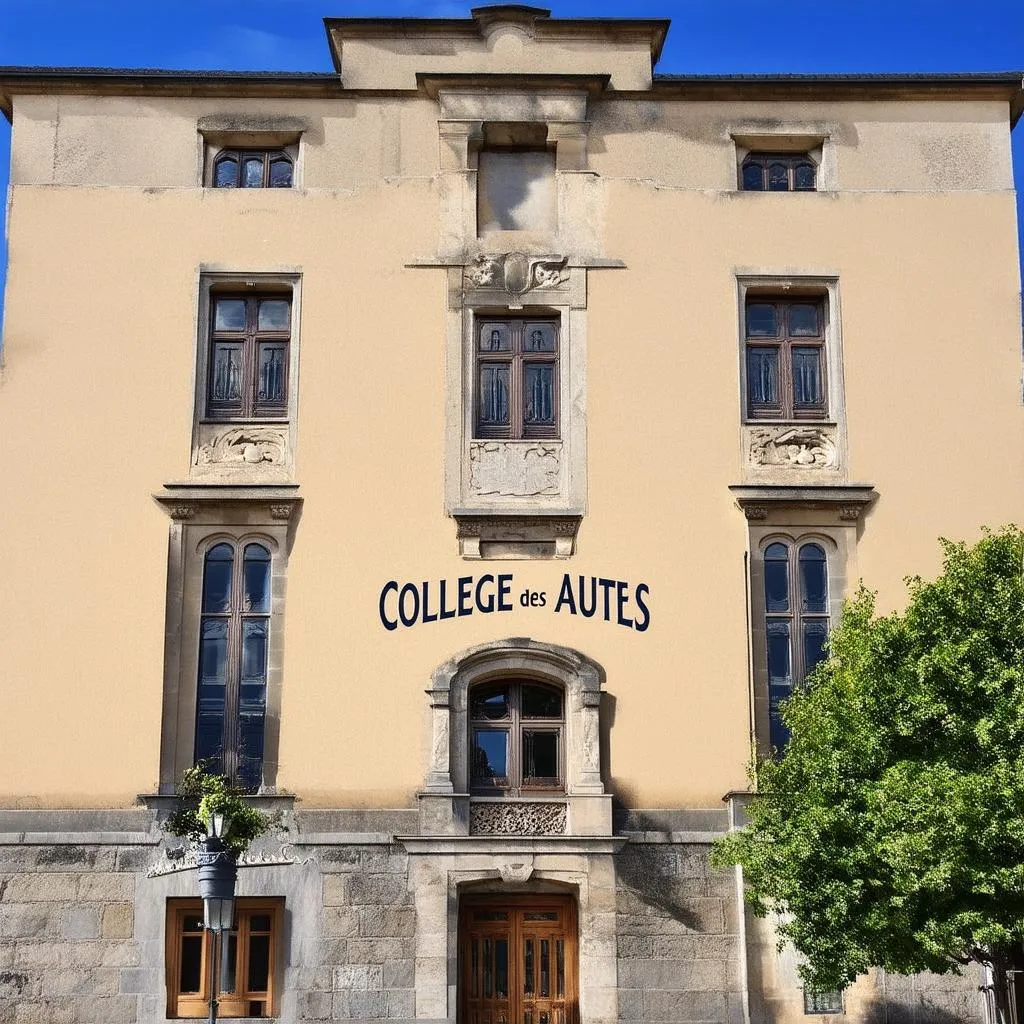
{"x": 518, "y": 961}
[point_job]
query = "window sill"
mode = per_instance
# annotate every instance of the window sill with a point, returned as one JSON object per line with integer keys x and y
{"x": 516, "y": 535}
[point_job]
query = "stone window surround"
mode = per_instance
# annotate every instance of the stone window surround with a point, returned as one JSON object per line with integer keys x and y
{"x": 216, "y": 132}
{"x": 219, "y": 444}
{"x": 791, "y": 284}
{"x": 815, "y": 139}
{"x": 445, "y": 800}
{"x": 198, "y": 521}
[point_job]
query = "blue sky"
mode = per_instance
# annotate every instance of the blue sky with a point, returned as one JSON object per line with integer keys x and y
{"x": 707, "y": 36}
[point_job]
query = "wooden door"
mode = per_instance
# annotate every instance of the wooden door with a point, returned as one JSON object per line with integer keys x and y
{"x": 517, "y": 960}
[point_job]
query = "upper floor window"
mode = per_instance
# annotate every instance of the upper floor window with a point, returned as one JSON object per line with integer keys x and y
{"x": 516, "y": 731}
{"x": 232, "y": 677}
{"x": 796, "y": 604}
{"x": 778, "y": 172}
{"x": 785, "y": 358}
{"x": 266, "y": 168}
{"x": 247, "y": 367}
{"x": 516, "y": 378}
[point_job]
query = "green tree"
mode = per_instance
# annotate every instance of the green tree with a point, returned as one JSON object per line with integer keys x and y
{"x": 890, "y": 832}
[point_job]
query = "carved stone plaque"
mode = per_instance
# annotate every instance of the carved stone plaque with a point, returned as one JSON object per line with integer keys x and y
{"x": 517, "y": 818}
{"x": 521, "y": 468}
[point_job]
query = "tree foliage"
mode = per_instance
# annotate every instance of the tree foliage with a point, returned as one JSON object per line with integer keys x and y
{"x": 201, "y": 794}
{"x": 890, "y": 832}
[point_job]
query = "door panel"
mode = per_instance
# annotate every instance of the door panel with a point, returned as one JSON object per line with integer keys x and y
{"x": 517, "y": 960}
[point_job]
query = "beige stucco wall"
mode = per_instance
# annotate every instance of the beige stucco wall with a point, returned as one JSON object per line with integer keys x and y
{"x": 96, "y": 414}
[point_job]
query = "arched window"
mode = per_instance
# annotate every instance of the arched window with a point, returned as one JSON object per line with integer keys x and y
{"x": 269, "y": 168}
{"x": 796, "y": 621}
{"x": 778, "y": 172}
{"x": 517, "y": 740}
{"x": 232, "y": 677}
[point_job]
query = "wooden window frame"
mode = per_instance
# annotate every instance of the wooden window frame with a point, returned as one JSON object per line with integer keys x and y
{"x": 240, "y": 155}
{"x": 789, "y": 160}
{"x": 516, "y": 725}
{"x": 248, "y": 407}
{"x": 796, "y": 617}
{"x": 236, "y": 616}
{"x": 784, "y": 342}
{"x": 235, "y": 1004}
{"x": 517, "y": 358}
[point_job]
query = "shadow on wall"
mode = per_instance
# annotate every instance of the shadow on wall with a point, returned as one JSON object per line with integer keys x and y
{"x": 962, "y": 1006}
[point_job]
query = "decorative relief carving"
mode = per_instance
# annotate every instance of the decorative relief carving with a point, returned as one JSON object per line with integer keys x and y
{"x": 250, "y": 446}
{"x": 182, "y": 511}
{"x": 515, "y": 272}
{"x": 517, "y": 819}
{"x": 850, "y": 512}
{"x": 755, "y": 511}
{"x": 514, "y": 468}
{"x": 518, "y": 871}
{"x": 801, "y": 447}
{"x": 281, "y": 511}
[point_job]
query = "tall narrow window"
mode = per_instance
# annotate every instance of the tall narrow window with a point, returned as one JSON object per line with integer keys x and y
{"x": 249, "y": 351}
{"x": 517, "y": 378}
{"x": 785, "y": 355}
{"x": 796, "y": 622}
{"x": 516, "y": 737}
{"x": 232, "y": 683}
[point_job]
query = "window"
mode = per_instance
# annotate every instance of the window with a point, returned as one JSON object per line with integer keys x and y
{"x": 516, "y": 732}
{"x": 785, "y": 358}
{"x": 232, "y": 677}
{"x": 796, "y": 621}
{"x": 827, "y": 1001}
{"x": 246, "y": 976}
{"x": 268, "y": 168}
{"x": 517, "y": 378}
{"x": 778, "y": 172}
{"x": 249, "y": 353}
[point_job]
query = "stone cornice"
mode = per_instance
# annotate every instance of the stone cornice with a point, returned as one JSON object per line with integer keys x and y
{"x": 511, "y": 845}
{"x": 759, "y": 501}
{"x": 183, "y": 501}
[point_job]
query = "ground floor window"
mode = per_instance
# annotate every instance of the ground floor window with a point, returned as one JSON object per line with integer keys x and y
{"x": 245, "y": 964}
{"x": 518, "y": 960}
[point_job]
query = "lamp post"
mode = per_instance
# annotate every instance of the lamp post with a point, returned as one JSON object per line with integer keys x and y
{"x": 218, "y": 871}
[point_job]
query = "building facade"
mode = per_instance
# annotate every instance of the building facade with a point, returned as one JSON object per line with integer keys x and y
{"x": 467, "y": 451}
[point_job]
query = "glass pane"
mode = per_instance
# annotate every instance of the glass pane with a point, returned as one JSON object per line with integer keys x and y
{"x": 778, "y": 178}
{"x": 256, "y": 570}
{"x": 541, "y": 915}
{"x": 545, "y": 969}
{"x": 192, "y": 923}
{"x": 761, "y": 320}
{"x": 217, "y": 578}
{"x": 807, "y": 389}
{"x": 213, "y": 652}
{"x": 813, "y": 579}
{"x": 252, "y": 172}
{"x": 539, "y": 393}
{"x": 490, "y": 915}
{"x": 501, "y": 968}
{"x": 779, "y": 662}
{"x": 753, "y": 177}
{"x": 474, "y": 976}
{"x": 815, "y": 635}
{"x": 494, "y": 338}
{"x": 539, "y": 338}
{"x": 274, "y": 314}
{"x": 190, "y": 976}
{"x": 259, "y": 923}
{"x": 763, "y": 376}
{"x": 560, "y": 960}
{"x": 250, "y": 753}
{"x": 778, "y": 733}
{"x": 803, "y": 320}
{"x": 259, "y": 962}
{"x": 225, "y": 174}
{"x": 776, "y": 578}
{"x": 528, "y": 966}
{"x": 494, "y": 395}
{"x": 541, "y": 701}
{"x": 229, "y": 315}
{"x": 490, "y": 754}
{"x": 280, "y": 173}
{"x": 489, "y": 702}
{"x": 803, "y": 177}
{"x": 226, "y": 373}
{"x": 273, "y": 365}
{"x": 209, "y": 733}
{"x": 540, "y": 755}
{"x": 488, "y": 970}
{"x": 229, "y": 964}
{"x": 254, "y": 651}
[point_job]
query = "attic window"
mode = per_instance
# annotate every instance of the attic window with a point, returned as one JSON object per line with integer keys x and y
{"x": 516, "y": 179}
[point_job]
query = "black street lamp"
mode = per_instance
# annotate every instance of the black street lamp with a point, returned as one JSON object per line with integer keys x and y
{"x": 218, "y": 870}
